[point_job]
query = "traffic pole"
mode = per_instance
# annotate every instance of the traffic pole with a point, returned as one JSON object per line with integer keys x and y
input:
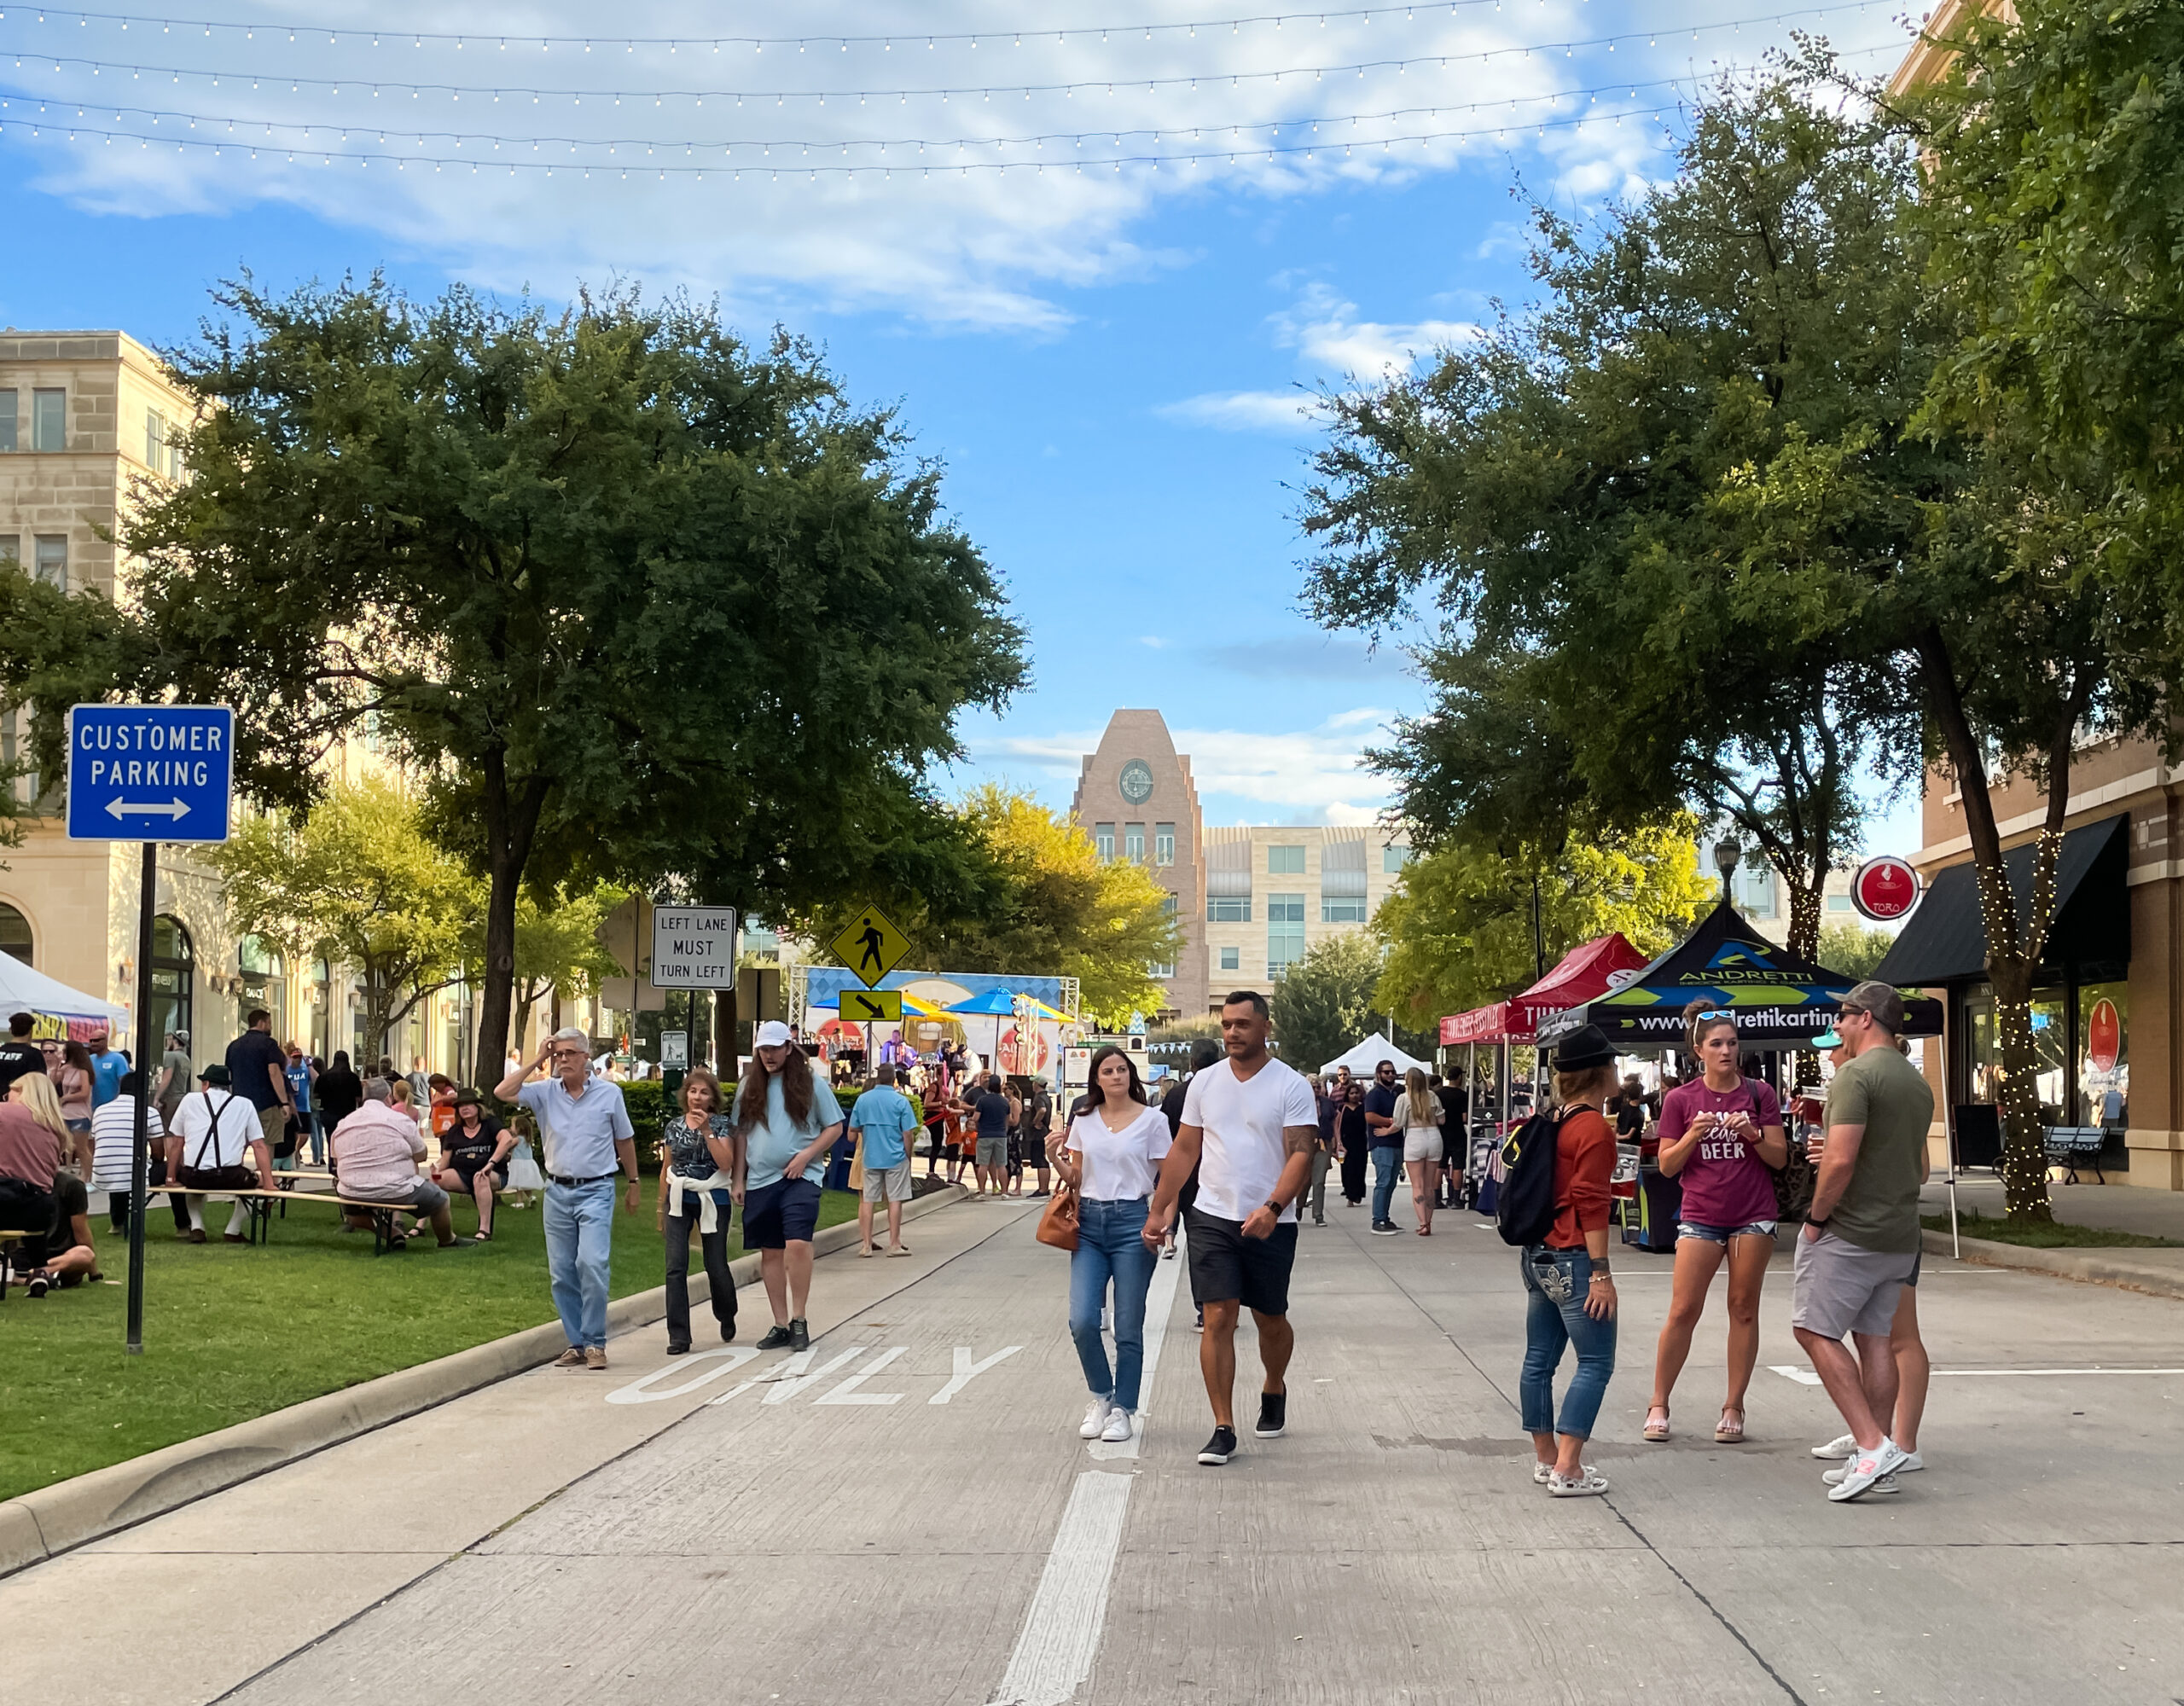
{"x": 140, "y": 1144}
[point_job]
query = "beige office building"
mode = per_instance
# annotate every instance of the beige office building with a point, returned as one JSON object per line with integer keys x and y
{"x": 84, "y": 418}
{"x": 1250, "y": 899}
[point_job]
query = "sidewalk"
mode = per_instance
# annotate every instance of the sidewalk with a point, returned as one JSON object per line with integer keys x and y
{"x": 2152, "y": 1214}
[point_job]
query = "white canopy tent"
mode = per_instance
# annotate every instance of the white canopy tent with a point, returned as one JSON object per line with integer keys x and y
{"x": 1365, "y": 1058}
{"x": 25, "y": 990}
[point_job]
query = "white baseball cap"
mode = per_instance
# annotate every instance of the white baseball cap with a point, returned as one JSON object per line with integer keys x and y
{"x": 773, "y": 1034}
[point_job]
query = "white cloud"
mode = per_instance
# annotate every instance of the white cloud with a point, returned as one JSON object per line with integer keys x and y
{"x": 1351, "y": 817}
{"x": 1245, "y": 411}
{"x": 1326, "y": 331}
{"x": 909, "y": 232}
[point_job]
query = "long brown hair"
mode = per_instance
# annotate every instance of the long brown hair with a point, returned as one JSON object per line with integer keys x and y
{"x": 796, "y": 1091}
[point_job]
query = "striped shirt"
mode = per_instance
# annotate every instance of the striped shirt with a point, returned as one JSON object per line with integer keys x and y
{"x": 113, "y": 1135}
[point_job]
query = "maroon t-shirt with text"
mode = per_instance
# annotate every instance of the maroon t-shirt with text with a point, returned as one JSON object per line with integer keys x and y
{"x": 1725, "y": 1183}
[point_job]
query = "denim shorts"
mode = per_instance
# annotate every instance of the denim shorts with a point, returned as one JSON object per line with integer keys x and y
{"x": 1714, "y": 1234}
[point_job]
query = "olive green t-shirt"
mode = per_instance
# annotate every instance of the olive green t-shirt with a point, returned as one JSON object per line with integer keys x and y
{"x": 1884, "y": 1092}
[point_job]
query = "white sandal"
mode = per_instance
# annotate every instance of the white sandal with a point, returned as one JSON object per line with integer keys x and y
{"x": 1588, "y": 1483}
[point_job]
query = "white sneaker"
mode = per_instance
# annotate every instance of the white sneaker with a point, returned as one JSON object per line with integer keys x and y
{"x": 1117, "y": 1432}
{"x": 1542, "y": 1473}
{"x": 1839, "y": 1449}
{"x": 1096, "y": 1418}
{"x": 1887, "y": 1483}
{"x": 1911, "y": 1462}
{"x": 1861, "y": 1472}
{"x": 1587, "y": 1483}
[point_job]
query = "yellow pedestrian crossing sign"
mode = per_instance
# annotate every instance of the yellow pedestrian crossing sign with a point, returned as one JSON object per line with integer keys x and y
{"x": 870, "y": 946}
{"x": 872, "y": 1006}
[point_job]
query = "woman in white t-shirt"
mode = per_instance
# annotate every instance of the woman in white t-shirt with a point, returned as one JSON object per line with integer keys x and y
{"x": 1418, "y": 1112}
{"x": 1112, "y": 1155}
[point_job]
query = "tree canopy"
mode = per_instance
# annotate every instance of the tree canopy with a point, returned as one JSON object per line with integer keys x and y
{"x": 1323, "y": 1002}
{"x": 637, "y": 601}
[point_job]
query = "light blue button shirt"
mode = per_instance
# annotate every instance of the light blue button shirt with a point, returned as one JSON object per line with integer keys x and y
{"x": 884, "y": 1115}
{"x": 580, "y": 1132}
{"x": 774, "y": 1141}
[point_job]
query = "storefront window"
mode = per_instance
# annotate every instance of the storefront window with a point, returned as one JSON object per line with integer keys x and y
{"x": 2104, "y": 1054}
{"x": 263, "y": 983}
{"x": 2051, "y": 1049}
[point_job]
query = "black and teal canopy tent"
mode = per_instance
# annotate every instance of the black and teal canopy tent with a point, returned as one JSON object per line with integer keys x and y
{"x": 1780, "y": 1001}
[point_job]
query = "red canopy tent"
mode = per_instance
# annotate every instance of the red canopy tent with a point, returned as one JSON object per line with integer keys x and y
{"x": 1585, "y": 973}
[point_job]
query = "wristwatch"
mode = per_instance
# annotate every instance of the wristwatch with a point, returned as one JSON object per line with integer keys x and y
{"x": 1275, "y": 1206}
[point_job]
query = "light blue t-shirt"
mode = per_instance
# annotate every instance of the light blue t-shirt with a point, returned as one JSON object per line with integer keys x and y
{"x": 580, "y": 1132}
{"x": 774, "y": 1142}
{"x": 106, "y": 1070}
{"x": 884, "y": 1115}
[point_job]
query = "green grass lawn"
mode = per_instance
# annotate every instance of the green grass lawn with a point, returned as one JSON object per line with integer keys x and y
{"x": 2046, "y": 1235}
{"x": 232, "y": 1331}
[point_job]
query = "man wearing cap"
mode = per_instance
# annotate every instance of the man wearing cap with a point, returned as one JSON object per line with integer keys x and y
{"x": 588, "y": 1137}
{"x": 212, "y": 1132}
{"x": 1860, "y": 1243}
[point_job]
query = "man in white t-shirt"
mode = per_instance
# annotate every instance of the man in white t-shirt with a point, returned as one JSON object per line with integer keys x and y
{"x": 1249, "y": 1125}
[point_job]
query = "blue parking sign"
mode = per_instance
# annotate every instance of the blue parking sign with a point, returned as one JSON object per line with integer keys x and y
{"x": 149, "y": 772}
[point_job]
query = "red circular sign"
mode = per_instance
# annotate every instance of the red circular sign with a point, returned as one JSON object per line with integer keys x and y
{"x": 2104, "y": 1036}
{"x": 1885, "y": 889}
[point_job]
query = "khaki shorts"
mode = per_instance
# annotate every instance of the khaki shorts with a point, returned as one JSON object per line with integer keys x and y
{"x": 273, "y": 1125}
{"x": 888, "y": 1184}
{"x": 993, "y": 1153}
{"x": 1842, "y": 1288}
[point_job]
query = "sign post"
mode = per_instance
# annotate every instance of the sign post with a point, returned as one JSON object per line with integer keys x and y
{"x": 147, "y": 772}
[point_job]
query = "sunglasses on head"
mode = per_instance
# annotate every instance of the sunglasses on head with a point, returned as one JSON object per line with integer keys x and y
{"x": 1715, "y": 1013}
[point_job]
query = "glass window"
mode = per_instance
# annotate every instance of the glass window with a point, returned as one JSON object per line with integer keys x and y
{"x": 1227, "y": 908}
{"x": 11, "y": 548}
{"x": 155, "y": 440}
{"x": 1164, "y": 843}
{"x": 1133, "y": 843}
{"x": 1169, "y": 905}
{"x": 262, "y": 983}
{"x": 2104, "y": 1055}
{"x": 53, "y": 560}
{"x": 8, "y": 419}
{"x": 2050, "y": 1046}
{"x": 49, "y": 408}
{"x": 1231, "y": 959}
{"x": 1285, "y": 932}
{"x": 1103, "y": 840}
{"x": 1342, "y": 909}
{"x": 173, "y": 961}
{"x": 1161, "y": 969}
{"x": 1755, "y": 890}
{"x": 1838, "y": 903}
{"x": 14, "y": 933}
{"x": 1285, "y": 862}
{"x": 1393, "y": 859}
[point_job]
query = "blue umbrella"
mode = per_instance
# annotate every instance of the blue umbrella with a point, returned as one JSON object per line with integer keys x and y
{"x": 993, "y": 1002}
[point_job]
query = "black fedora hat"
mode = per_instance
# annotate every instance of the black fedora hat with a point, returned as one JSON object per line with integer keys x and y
{"x": 1582, "y": 1048}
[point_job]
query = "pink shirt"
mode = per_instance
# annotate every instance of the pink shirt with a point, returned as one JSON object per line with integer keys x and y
{"x": 1725, "y": 1183}
{"x": 376, "y": 1151}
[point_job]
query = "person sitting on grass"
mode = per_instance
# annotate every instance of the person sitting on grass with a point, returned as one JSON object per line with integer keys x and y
{"x": 473, "y": 1157}
{"x": 376, "y": 1151}
{"x": 65, "y": 1255}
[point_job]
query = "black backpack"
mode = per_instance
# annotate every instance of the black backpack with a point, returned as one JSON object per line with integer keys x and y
{"x": 1524, "y": 1204}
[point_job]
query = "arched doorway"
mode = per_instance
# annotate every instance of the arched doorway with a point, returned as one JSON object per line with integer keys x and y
{"x": 14, "y": 933}
{"x": 264, "y": 983}
{"x": 174, "y": 968}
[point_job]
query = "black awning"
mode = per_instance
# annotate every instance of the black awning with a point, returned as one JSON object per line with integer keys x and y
{"x": 1946, "y": 940}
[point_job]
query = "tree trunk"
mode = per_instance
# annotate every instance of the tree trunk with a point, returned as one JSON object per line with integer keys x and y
{"x": 724, "y": 1016}
{"x": 2025, "y": 1148}
{"x": 511, "y": 820}
{"x": 1804, "y": 918}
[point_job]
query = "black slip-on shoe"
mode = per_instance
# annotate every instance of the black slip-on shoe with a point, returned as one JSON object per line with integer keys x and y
{"x": 776, "y": 1338}
{"x": 799, "y": 1335}
{"x": 1273, "y": 1415}
{"x": 1220, "y": 1449}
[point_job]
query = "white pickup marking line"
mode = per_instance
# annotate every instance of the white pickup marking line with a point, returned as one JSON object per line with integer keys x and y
{"x": 847, "y": 1393}
{"x": 966, "y": 1370}
{"x": 1806, "y": 1377}
{"x": 1159, "y": 1305}
{"x": 785, "y": 1390}
{"x": 1060, "y": 1636}
{"x": 642, "y": 1392}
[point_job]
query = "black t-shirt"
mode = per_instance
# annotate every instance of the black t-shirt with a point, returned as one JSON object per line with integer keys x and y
{"x": 1381, "y": 1099}
{"x": 70, "y": 1199}
{"x": 18, "y": 1057}
{"x": 489, "y": 1132}
{"x": 993, "y": 1114}
{"x": 249, "y": 1057}
{"x": 1454, "y": 1106}
{"x": 1171, "y": 1105}
{"x": 340, "y": 1092}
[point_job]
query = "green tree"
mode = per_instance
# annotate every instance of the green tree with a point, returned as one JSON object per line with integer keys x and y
{"x": 57, "y": 649}
{"x": 640, "y": 602}
{"x": 1459, "y": 931}
{"x": 1853, "y": 949}
{"x": 357, "y": 882}
{"x": 556, "y": 948}
{"x": 1044, "y": 905}
{"x": 1323, "y": 1003}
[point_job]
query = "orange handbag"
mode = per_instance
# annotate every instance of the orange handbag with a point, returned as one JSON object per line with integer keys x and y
{"x": 1058, "y": 1225}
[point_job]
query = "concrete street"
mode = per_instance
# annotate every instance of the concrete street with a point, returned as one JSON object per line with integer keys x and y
{"x": 917, "y": 1522}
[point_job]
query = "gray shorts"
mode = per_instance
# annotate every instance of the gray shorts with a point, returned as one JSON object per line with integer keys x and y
{"x": 888, "y": 1184}
{"x": 1842, "y": 1288}
{"x": 993, "y": 1152}
{"x": 425, "y": 1197}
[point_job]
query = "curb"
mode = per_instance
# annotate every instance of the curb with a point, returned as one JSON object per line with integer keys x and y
{"x": 44, "y": 1523}
{"x": 2086, "y": 1266}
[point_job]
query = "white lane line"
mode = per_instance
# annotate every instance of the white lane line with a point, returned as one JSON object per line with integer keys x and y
{"x": 966, "y": 1370}
{"x": 785, "y": 1390}
{"x": 1806, "y": 1377}
{"x": 1061, "y": 1631}
{"x": 641, "y": 1390}
{"x": 1159, "y": 1305}
{"x": 847, "y": 1392}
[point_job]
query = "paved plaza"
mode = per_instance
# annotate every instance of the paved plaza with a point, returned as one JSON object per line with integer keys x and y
{"x": 905, "y": 1514}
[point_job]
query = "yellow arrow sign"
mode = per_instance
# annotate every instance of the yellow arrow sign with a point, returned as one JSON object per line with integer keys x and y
{"x": 872, "y": 1006}
{"x": 870, "y": 946}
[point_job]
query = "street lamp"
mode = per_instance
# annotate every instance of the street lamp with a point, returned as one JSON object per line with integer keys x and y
{"x": 1726, "y": 855}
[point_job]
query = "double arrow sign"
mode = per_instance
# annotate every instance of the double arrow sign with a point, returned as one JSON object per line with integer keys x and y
{"x": 116, "y": 809}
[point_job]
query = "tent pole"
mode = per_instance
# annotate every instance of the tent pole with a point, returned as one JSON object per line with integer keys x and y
{"x": 1948, "y": 1128}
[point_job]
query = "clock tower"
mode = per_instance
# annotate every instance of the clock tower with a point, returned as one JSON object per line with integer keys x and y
{"x": 1136, "y": 798}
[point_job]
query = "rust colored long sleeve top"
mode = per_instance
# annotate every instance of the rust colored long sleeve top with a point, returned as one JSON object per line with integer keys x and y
{"x": 1584, "y": 1163}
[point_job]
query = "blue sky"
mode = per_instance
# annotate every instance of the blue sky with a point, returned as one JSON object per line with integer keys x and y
{"x": 1108, "y": 362}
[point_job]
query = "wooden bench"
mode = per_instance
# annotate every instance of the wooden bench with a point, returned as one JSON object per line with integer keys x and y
{"x": 2069, "y": 1145}
{"x": 258, "y": 1205}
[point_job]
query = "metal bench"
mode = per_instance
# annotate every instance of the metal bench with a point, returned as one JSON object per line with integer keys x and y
{"x": 2068, "y": 1146}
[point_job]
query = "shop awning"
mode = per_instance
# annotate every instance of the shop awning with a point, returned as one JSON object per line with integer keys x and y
{"x": 1587, "y": 969}
{"x": 1945, "y": 940}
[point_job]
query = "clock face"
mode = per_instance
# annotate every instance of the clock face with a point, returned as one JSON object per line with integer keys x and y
{"x": 1137, "y": 781}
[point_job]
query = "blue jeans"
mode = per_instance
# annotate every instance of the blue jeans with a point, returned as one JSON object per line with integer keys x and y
{"x": 1555, "y": 1284}
{"x": 580, "y": 1228}
{"x": 1387, "y": 1169}
{"x": 1109, "y": 1246}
